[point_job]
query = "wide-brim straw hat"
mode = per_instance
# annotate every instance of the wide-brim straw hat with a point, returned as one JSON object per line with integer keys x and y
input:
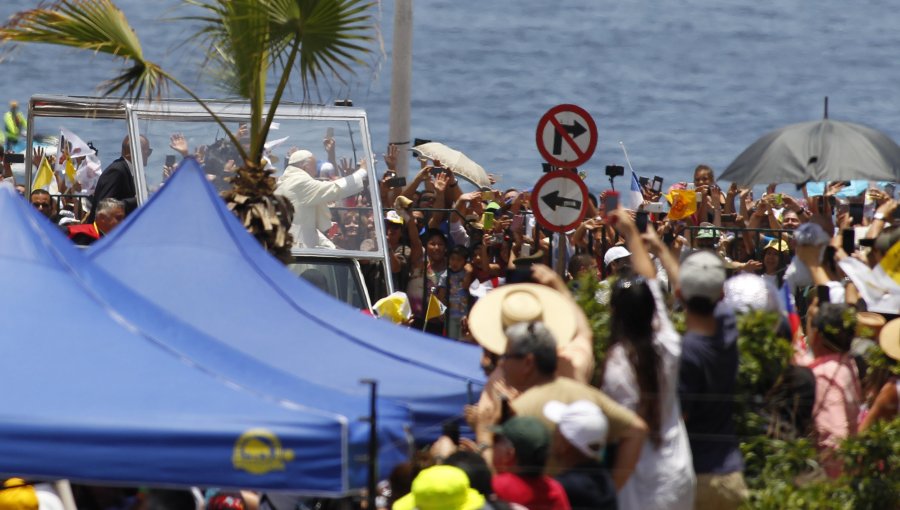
{"x": 889, "y": 339}
{"x": 871, "y": 321}
{"x": 520, "y": 302}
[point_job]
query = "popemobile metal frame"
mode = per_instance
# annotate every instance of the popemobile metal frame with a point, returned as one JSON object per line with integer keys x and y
{"x": 138, "y": 113}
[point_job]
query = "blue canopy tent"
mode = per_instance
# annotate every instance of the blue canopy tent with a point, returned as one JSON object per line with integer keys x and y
{"x": 103, "y": 386}
{"x": 186, "y": 252}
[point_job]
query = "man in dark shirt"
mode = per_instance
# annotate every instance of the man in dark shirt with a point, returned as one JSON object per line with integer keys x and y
{"x": 577, "y": 448}
{"x": 117, "y": 180}
{"x": 708, "y": 376}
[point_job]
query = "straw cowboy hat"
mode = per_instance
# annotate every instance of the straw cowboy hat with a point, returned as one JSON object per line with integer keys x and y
{"x": 520, "y": 302}
{"x": 889, "y": 339}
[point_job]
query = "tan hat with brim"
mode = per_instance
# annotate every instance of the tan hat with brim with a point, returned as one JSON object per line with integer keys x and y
{"x": 520, "y": 302}
{"x": 889, "y": 339}
{"x": 871, "y": 321}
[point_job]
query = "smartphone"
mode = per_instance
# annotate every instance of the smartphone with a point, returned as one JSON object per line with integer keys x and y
{"x": 438, "y": 170}
{"x": 451, "y": 430}
{"x": 611, "y": 201}
{"x": 615, "y": 170}
{"x": 396, "y": 182}
{"x": 856, "y": 213}
{"x": 517, "y": 223}
{"x": 640, "y": 220}
{"x": 729, "y": 217}
{"x": 13, "y": 157}
{"x": 170, "y": 160}
{"x": 823, "y": 293}
{"x": 487, "y": 220}
{"x": 848, "y": 240}
{"x": 845, "y": 183}
{"x": 644, "y": 181}
{"x": 529, "y": 225}
{"x": 657, "y": 184}
{"x": 329, "y": 133}
{"x": 487, "y": 196}
{"x": 867, "y": 242}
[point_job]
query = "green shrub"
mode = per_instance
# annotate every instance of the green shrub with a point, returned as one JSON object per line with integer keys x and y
{"x": 587, "y": 288}
{"x": 784, "y": 473}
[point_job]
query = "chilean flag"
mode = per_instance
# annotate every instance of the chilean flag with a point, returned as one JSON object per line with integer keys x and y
{"x": 633, "y": 197}
{"x": 790, "y": 310}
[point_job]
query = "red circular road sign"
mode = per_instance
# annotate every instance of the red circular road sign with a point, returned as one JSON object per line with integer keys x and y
{"x": 566, "y": 136}
{"x": 559, "y": 200}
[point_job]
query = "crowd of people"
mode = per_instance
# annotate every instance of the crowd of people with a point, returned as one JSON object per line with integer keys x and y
{"x": 653, "y": 426}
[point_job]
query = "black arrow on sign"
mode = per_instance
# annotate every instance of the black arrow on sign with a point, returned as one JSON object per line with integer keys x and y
{"x": 575, "y": 130}
{"x": 554, "y": 200}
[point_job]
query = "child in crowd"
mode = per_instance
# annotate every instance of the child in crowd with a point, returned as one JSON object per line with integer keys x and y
{"x": 459, "y": 277}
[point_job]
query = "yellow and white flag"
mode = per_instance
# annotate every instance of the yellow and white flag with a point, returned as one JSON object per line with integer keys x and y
{"x": 394, "y": 308}
{"x": 44, "y": 176}
{"x": 435, "y": 308}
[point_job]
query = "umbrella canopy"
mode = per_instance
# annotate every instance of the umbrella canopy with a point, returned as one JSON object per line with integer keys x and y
{"x": 102, "y": 386}
{"x": 186, "y": 252}
{"x": 456, "y": 161}
{"x": 824, "y": 150}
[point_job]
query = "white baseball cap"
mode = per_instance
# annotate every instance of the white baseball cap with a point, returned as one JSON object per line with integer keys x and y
{"x": 615, "y": 253}
{"x": 702, "y": 274}
{"x": 582, "y": 423}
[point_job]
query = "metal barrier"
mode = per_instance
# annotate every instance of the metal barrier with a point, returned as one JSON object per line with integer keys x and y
{"x": 760, "y": 240}
{"x": 79, "y": 208}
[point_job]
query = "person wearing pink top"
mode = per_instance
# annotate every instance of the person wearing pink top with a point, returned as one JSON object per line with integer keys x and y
{"x": 838, "y": 390}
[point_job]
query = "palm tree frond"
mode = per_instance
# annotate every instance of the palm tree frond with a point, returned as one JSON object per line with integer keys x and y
{"x": 96, "y": 25}
{"x": 93, "y": 25}
{"x": 333, "y": 35}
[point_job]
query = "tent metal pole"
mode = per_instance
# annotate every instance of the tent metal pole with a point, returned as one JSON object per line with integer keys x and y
{"x": 373, "y": 441}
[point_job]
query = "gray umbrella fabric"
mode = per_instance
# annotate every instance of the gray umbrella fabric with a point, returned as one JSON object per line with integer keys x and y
{"x": 824, "y": 150}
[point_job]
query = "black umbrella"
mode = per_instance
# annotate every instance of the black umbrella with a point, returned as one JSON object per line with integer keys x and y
{"x": 824, "y": 150}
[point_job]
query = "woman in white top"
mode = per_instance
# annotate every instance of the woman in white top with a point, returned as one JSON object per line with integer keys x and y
{"x": 641, "y": 373}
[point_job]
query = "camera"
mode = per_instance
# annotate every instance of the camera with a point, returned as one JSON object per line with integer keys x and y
{"x": 615, "y": 170}
{"x": 396, "y": 182}
{"x": 13, "y": 157}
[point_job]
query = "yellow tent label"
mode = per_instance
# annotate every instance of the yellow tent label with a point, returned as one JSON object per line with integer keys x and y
{"x": 259, "y": 451}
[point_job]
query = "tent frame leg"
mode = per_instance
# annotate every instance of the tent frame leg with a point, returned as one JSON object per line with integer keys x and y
{"x": 372, "y": 461}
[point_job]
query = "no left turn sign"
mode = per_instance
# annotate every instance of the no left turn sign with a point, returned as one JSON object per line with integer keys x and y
{"x": 566, "y": 136}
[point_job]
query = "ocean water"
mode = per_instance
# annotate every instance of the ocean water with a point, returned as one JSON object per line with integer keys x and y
{"x": 680, "y": 83}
